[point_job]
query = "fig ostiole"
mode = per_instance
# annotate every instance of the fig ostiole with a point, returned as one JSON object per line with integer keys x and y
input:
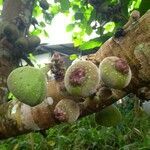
{"x": 82, "y": 78}
{"x": 67, "y": 110}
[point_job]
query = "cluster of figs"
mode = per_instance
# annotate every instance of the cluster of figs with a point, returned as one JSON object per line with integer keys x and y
{"x": 82, "y": 79}
{"x": 12, "y": 33}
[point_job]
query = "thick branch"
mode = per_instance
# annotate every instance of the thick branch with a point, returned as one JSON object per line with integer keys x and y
{"x": 17, "y": 118}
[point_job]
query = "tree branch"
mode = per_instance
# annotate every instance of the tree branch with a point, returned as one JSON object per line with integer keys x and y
{"x": 17, "y": 118}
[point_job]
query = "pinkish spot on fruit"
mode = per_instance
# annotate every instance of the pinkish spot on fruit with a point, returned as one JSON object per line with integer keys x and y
{"x": 77, "y": 77}
{"x": 122, "y": 66}
{"x": 60, "y": 115}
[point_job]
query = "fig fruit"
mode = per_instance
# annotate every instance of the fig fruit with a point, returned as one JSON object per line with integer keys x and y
{"x": 11, "y": 32}
{"x": 67, "y": 110}
{"x": 22, "y": 43}
{"x": 28, "y": 85}
{"x": 82, "y": 78}
{"x": 110, "y": 116}
{"x": 115, "y": 72}
{"x": 34, "y": 41}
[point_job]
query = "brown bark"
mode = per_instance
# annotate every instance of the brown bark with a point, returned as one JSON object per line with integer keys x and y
{"x": 133, "y": 47}
{"x": 17, "y": 118}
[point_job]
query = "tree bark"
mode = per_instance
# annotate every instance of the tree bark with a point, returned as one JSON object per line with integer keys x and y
{"x": 17, "y": 118}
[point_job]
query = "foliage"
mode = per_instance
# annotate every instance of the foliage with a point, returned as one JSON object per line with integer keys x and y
{"x": 93, "y": 21}
{"x": 85, "y": 134}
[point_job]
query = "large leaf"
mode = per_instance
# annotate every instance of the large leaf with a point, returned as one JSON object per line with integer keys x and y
{"x": 109, "y": 27}
{"x": 70, "y": 27}
{"x": 145, "y": 5}
{"x": 90, "y": 45}
{"x": 78, "y": 16}
{"x": 124, "y": 4}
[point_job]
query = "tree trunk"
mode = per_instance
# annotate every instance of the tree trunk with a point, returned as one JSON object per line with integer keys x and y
{"x": 17, "y": 12}
{"x": 17, "y": 118}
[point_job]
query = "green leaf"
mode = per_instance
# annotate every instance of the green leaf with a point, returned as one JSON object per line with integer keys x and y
{"x": 138, "y": 3}
{"x": 54, "y": 9}
{"x": 93, "y": 16}
{"x": 134, "y": 5}
{"x": 36, "y": 32}
{"x": 90, "y": 45}
{"x": 42, "y": 24}
{"x": 73, "y": 56}
{"x": 45, "y": 33}
{"x": 1, "y": 2}
{"x": 77, "y": 41}
{"x": 37, "y": 11}
{"x": 145, "y": 5}
{"x": 78, "y": 16}
{"x": 89, "y": 30}
{"x": 70, "y": 27}
{"x": 75, "y": 8}
{"x": 125, "y": 4}
{"x": 32, "y": 58}
{"x": 48, "y": 17}
{"x": 65, "y": 5}
{"x": 109, "y": 27}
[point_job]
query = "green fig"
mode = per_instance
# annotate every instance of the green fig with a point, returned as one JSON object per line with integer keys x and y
{"x": 110, "y": 116}
{"x": 22, "y": 43}
{"x": 28, "y": 85}
{"x": 115, "y": 72}
{"x": 67, "y": 110}
{"x": 11, "y": 32}
{"x": 82, "y": 78}
{"x": 33, "y": 41}
{"x": 2, "y": 26}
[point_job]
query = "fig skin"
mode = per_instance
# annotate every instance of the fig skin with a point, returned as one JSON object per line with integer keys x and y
{"x": 22, "y": 43}
{"x": 109, "y": 116}
{"x": 67, "y": 110}
{"x": 82, "y": 78}
{"x": 115, "y": 72}
{"x": 28, "y": 85}
{"x": 11, "y": 32}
